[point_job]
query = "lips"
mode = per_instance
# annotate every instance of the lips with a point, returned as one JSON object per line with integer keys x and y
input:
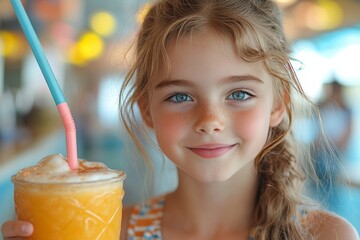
{"x": 212, "y": 150}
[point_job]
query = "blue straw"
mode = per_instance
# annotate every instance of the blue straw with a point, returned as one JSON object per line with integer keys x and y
{"x": 38, "y": 52}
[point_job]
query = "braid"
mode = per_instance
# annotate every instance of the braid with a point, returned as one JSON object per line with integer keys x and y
{"x": 278, "y": 193}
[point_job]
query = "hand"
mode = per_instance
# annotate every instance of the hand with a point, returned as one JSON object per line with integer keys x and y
{"x": 16, "y": 230}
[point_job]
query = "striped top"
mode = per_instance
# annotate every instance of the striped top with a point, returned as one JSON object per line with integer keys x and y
{"x": 145, "y": 220}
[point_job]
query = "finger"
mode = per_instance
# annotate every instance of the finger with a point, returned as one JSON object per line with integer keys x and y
{"x": 16, "y": 229}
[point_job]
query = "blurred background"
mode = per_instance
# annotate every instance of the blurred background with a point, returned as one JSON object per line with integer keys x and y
{"x": 86, "y": 43}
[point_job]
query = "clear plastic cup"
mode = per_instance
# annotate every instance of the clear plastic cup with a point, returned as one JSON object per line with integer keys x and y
{"x": 71, "y": 210}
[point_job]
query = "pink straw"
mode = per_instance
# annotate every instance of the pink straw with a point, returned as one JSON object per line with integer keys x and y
{"x": 70, "y": 133}
{"x": 53, "y": 85}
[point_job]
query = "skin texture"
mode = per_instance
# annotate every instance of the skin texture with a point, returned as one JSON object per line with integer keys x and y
{"x": 212, "y": 114}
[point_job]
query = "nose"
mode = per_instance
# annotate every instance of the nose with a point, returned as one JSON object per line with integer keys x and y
{"x": 209, "y": 120}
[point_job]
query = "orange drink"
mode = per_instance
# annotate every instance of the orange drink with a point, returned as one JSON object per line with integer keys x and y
{"x": 76, "y": 204}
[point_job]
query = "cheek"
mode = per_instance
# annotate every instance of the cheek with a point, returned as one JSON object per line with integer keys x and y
{"x": 252, "y": 125}
{"x": 168, "y": 128}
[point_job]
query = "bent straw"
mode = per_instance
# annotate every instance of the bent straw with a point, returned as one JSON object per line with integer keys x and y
{"x": 51, "y": 81}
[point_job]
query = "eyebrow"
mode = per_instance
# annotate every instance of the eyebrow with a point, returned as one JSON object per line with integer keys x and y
{"x": 173, "y": 82}
{"x": 185, "y": 83}
{"x": 242, "y": 78}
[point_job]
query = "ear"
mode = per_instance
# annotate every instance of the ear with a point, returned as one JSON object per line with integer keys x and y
{"x": 277, "y": 113}
{"x": 145, "y": 111}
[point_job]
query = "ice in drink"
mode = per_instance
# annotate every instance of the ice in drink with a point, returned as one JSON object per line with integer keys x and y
{"x": 70, "y": 204}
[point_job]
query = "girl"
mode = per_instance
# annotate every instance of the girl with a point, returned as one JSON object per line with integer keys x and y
{"x": 214, "y": 82}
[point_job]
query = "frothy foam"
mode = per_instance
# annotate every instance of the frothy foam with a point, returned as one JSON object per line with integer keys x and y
{"x": 55, "y": 169}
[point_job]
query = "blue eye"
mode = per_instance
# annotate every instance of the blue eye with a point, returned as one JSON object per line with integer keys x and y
{"x": 239, "y": 96}
{"x": 180, "y": 97}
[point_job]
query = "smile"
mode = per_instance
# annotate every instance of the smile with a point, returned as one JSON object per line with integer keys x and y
{"x": 212, "y": 151}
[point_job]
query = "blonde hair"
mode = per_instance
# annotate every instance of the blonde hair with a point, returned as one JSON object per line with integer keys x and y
{"x": 255, "y": 28}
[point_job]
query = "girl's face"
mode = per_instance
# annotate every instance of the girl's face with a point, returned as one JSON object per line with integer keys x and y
{"x": 212, "y": 113}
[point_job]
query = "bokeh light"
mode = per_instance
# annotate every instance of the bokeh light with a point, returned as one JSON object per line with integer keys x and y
{"x": 90, "y": 46}
{"x": 103, "y": 23}
{"x": 323, "y": 15}
{"x": 75, "y": 57}
{"x": 11, "y": 44}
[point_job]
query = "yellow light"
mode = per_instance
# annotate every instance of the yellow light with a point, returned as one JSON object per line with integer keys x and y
{"x": 75, "y": 57}
{"x": 334, "y": 13}
{"x": 142, "y": 13}
{"x": 316, "y": 17}
{"x": 103, "y": 23}
{"x": 324, "y": 15}
{"x": 10, "y": 44}
{"x": 90, "y": 46}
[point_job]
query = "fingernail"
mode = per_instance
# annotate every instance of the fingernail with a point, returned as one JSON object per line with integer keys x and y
{"x": 25, "y": 228}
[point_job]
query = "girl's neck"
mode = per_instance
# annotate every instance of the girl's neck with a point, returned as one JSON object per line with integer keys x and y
{"x": 223, "y": 206}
